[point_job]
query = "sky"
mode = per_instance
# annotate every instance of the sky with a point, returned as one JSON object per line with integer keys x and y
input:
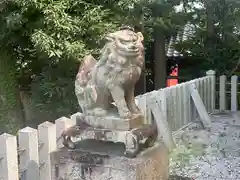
{"x": 195, "y": 5}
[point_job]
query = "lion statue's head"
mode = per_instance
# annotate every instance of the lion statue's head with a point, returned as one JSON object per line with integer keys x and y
{"x": 126, "y": 42}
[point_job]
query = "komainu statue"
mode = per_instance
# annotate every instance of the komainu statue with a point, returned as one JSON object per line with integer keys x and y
{"x": 113, "y": 77}
{"x": 105, "y": 93}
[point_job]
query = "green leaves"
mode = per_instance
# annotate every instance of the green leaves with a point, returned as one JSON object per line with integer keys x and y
{"x": 45, "y": 35}
{"x": 63, "y": 28}
{"x": 216, "y": 39}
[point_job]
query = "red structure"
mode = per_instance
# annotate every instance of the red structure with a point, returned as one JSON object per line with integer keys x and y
{"x": 173, "y": 78}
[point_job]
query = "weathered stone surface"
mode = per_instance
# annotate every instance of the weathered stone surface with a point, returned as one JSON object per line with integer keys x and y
{"x": 105, "y": 93}
{"x": 104, "y": 160}
{"x": 144, "y": 136}
{"x": 115, "y": 122}
{"x": 113, "y": 77}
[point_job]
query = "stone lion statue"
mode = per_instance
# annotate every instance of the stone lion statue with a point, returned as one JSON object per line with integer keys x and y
{"x": 113, "y": 77}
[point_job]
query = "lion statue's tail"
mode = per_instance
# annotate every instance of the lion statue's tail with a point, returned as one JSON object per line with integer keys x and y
{"x": 83, "y": 89}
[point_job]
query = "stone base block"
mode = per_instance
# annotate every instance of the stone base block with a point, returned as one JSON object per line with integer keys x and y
{"x": 104, "y": 161}
{"x": 114, "y": 122}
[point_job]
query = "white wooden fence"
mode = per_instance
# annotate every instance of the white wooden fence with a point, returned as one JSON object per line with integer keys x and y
{"x": 179, "y": 108}
{"x": 27, "y": 155}
{"x": 233, "y": 93}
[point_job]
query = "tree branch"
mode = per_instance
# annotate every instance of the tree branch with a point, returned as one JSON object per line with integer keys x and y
{"x": 235, "y": 68}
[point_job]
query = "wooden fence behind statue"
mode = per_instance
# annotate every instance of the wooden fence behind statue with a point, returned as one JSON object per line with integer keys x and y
{"x": 176, "y": 103}
{"x": 26, "y": 156}
{"x": 228, "y": 95}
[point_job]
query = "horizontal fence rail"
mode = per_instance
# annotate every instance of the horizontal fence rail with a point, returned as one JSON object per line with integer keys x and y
{"x": 26, "y": 156}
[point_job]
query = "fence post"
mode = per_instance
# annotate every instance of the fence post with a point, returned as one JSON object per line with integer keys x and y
{"x": 201, "y": 109}
{"x": 142, "y": 105}
{"x": 194, "y": 113}
{"x": 158, "y": 107}
{"x": 8, "y": 157}
{"x": 74, "y": 117}
{"x": 205, "y": 94}
{"x": 186, "y": 103}
{"x": 169, "y": 109}
{"x": 212, "y": 75}
{"x": 209, "y": 94}
{"x": 234, "y": 84}
{"x": 47, "y": 139}
{"x": 61, "y": 125}
{"x": 175, "y": 121}
{"x": 222, "y": 93}
{"x": 28, "y": 152}
{"x": 179, "y": 106}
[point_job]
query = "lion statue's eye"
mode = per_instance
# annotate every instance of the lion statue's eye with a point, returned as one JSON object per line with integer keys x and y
{"x": 123, "y": 41}
{"x": 88, "y": 74}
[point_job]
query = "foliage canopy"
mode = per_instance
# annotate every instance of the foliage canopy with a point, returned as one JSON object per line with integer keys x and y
{"x": 46, "y": 39}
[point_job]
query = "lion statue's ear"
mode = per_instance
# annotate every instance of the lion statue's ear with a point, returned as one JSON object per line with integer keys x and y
{"x": 140, "y": 36}
{"x": 110, "y": 37}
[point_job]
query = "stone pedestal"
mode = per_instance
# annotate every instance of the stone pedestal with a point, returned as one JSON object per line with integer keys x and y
{"x": 96, "y": 160}
{"x": 132, "y": 132}
{"x": 111, "y": 121}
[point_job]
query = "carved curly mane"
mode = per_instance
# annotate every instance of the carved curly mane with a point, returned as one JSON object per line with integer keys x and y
{"x": 123, "y": 48}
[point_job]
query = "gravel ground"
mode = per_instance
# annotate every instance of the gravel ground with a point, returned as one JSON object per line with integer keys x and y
{"x": 209, "y": 154}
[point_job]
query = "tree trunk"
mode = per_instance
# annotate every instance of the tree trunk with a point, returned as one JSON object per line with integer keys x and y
{"x": 160, "y": 71}
{"x": 11, "y": 116}
{"x": 141, "y": 84}
{"x": 210, "y": 17}
{"x": 209, "y": 5}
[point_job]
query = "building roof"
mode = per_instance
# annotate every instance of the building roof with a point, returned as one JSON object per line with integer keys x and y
{"x": 183, "y": 34}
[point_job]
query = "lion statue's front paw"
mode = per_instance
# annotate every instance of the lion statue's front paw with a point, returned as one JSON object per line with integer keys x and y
{"x": 125, "y": 114}
{"x": 135, "y": 110}
{"x": 99, "y": 112}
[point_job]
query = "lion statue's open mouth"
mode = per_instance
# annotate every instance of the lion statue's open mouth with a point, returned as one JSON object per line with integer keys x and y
{"x": 126, "y": 42}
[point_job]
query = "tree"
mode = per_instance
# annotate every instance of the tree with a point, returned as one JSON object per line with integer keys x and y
{"x": 163, "y": 21}
{"x": 215, "y": 42}
{"x": 158, "y": 20}
{"x": 46, "y": 40}
{"x": 10, "y": 104}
